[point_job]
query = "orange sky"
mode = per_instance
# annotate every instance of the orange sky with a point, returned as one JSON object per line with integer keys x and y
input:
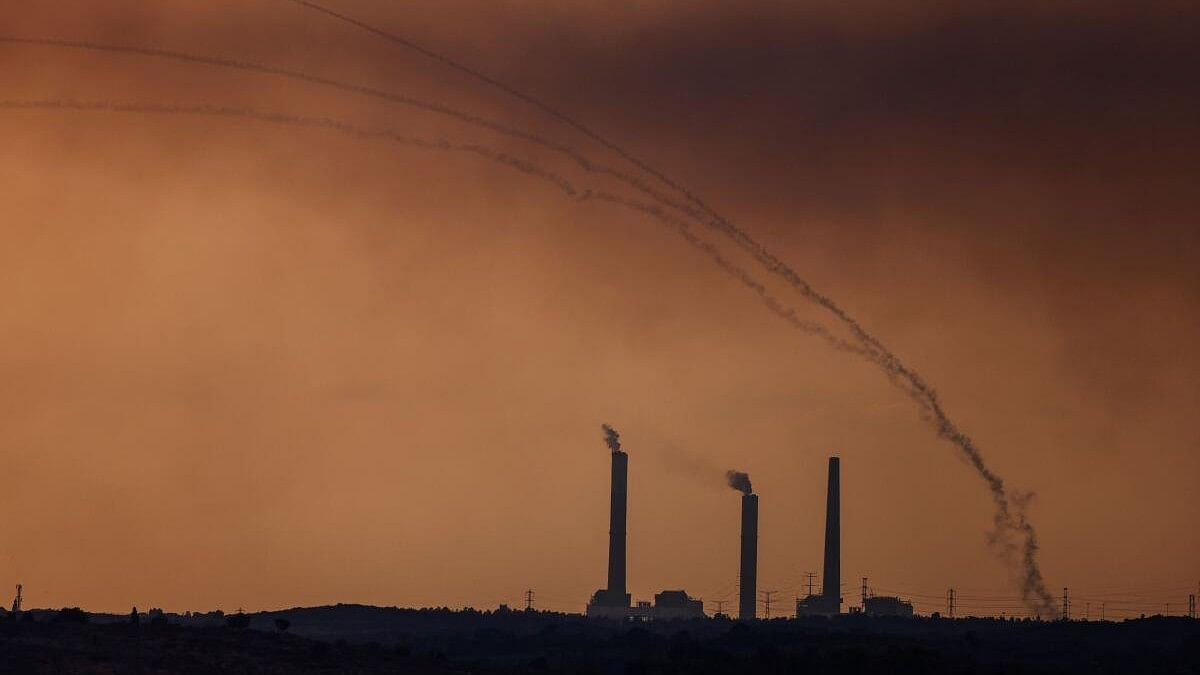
{"x": 251, "y": 365}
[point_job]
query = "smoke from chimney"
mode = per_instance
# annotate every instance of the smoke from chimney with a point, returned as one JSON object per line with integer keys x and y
{"x": 739, "y": 481}
{"x": 612, "y": 438}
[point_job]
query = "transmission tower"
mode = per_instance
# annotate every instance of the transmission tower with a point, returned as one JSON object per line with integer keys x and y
{"x": 529, "y": 600}
{"x": 767, "y": 602}
{"x": 1192, "y": 606}
{"x": 950, "y": 602}
{"x": 865, "y": 592}
{"x": 810, "y": 581}
{"x": 1066, "y": 604}
{"x": 16, "y": 606}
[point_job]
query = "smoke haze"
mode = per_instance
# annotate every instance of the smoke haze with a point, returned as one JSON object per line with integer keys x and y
{"x": 280, "y": 311}
{"x": 1010, "y": 518}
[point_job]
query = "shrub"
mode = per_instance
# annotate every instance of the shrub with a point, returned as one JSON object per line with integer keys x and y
{"x": 238, "y": 621}
{"x": 70, "y": 615}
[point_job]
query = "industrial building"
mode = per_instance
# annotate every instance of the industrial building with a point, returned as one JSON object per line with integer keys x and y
{"x": 614, "y": 601}
{"x": 885, "y": 605}
{"x": 673, "y": 605}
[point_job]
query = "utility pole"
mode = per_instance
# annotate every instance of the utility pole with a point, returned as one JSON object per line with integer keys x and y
{"x": 1066, "y": 604}
{"x": 810, "y": 581}
{"x": 950, "y": 602}
{"x": 529, "y": 600}
{"x": 767, "y": 602}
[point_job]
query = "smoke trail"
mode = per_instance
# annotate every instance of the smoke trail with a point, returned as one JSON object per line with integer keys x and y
{"x": 578, "y": 158}
{"x": 512, "y": 91}
{"x": 739, "y": 481}
{"x": 1010, "y": 518}
{"x": 475, "y": 120}
{"x": 681, "y": 227}
{"x": 517, "y": 164}
{"x": 611, "y": 438}
{"x": 569, "y": 153}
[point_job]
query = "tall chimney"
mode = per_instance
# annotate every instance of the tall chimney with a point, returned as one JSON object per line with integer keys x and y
{"x": 616, "y": 524}
{"x": 749, "y": 576}
{"x": 832, "y": 588}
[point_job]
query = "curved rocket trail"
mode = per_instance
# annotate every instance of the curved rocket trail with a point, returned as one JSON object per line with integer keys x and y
{"x": 527, "y": 167}
{"x": 1010, "y": 520}
{"x": 571, "y": 154}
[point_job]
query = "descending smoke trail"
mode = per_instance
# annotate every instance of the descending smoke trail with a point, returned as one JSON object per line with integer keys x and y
{"x": 683, "y": 229}
{"x": 250, "y": 66}
{"x": 575, "y": 156}
{"x": 479, "y": 121}
{"x": 739, "y": 481}
{"x": 1010, "y": 518}
{"x": 514, "y": 92}
{"x": 503, "y": 158}
{"x": 653, "y": 210}
{"x": 611, "y": 438}
{"x": 578, "y": 158}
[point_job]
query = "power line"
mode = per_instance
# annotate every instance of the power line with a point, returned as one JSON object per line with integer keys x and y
{"x": 767, "y": 602}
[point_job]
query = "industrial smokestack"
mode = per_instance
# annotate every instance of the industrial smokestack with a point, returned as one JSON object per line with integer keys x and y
{"x": 616, "y": 522}
{"x": 749, "y": 575}
{"x": 613, "y": 602}
{"x": 832, "y": 588}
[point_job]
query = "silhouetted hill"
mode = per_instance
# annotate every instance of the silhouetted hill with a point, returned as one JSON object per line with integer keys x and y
{"x": 363, "y": 639}
{"x": 44, "y": 648}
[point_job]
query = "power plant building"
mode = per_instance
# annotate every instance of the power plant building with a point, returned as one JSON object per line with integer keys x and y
{"x": 884, "y": 605}
{"x": 614, "y": 601}
{"x": 676, "y": 605}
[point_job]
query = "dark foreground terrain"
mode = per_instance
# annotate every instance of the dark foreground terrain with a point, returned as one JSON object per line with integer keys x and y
{"x": 357, "y": 639}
